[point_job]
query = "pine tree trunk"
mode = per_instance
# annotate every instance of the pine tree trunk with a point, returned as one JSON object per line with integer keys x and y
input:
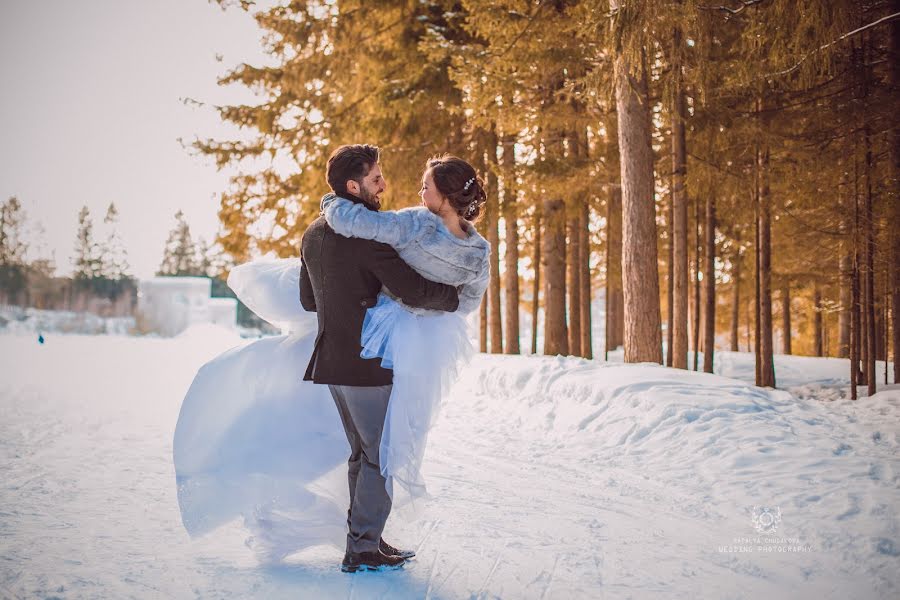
{"x": 536, "y": 288}
{"x": 757, "y": 337}
{"x": 680, "y": 288}
{"x": 868, "y": 231}
{"x": 749, "y": 325}
{"x": 869, "y": 282}
{"x": 736, "y": 307}
{"x": 670, "y": 280}
{"x": 894, "y": 262}
{"x": 573, "y": 275}
{"x": 894, "y": 278}
{"x": 615, "y": 317}
{"x": 854, "y": 326}
{"x": 767, "y": 371}
{"x": 879, "y": 326}
{"x": 640, "y": 278}
{"x": 554, "y": 256}
{"x": 786, "y": 316}
{"x": 819, "y": 335}
{"x": 698, "y": 257}
{"x": 492, "y": 208}
{"x": 844, "y": 314}
{"x": 511, "y": 257}
{"x": 709, "y": 337}
{"x": 857, "y": 323}
{"x": 584, "y": 261}
{"x": 856, "y": 375}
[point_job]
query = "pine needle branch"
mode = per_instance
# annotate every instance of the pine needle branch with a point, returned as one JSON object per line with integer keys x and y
{"x": 733, "y": 11}
{"x": 833, "y": 42}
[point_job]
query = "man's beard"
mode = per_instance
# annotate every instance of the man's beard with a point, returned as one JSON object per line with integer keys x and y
{"x": 369, "y": 198}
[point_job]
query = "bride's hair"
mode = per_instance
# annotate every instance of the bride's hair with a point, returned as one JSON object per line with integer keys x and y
{"x": 458, "y": 182}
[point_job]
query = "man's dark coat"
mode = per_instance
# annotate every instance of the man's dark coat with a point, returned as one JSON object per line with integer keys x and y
{"x": 340, "y": 279}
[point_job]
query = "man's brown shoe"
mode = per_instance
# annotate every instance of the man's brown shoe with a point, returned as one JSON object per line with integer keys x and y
{"x": 370, "y": 561}
{"x": 386, "y": 548}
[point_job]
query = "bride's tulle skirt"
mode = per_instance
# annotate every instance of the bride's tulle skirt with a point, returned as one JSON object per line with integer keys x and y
{"x": 426, "y": 353}
{"x": 255, "y": 441}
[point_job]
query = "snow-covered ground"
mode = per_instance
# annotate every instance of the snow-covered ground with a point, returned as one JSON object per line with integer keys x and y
{"x": 554, "y": 478}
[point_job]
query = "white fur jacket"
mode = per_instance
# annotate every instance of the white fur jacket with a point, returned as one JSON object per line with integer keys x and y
{"x": 423, "y": 241}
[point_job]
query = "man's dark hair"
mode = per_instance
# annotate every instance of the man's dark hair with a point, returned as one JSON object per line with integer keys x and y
{"x": 350, "y": 162}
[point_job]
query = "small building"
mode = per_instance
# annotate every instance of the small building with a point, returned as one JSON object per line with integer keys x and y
{"x": 169, "y": 305}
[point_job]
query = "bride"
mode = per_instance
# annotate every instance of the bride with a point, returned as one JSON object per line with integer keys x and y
{"x": 254, "y": 440}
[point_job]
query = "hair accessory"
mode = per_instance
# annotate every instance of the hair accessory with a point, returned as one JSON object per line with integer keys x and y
{"x": 472, "y": 206}
{"x": 468, "y": 183}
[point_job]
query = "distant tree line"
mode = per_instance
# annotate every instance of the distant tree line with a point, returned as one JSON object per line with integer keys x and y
{"x": 100, "y": 281}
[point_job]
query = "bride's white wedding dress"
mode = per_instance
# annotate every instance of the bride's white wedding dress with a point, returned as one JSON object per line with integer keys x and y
{"x": 254, "y": 440}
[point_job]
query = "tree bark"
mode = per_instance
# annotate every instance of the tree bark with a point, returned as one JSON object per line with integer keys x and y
{"x": 643, "y": 336}
{"x": 786, "y": 316}
{"x": 536, "y": 288}
{"x": 554, "y": 256}
{"x": 614, "y": 325}
{"x": 767, "y": 372}
{"x": 709, "y": 337}
{"x": 670, "y": 279}
{"x": 495, "y": 319}
{"x": 757, "y": 337}
{"x": 679, "y": 322}
{"x": 894, "y": 278}
{"x": 736, "y": 307}
{"x": 818, "y": 332}
{"x": 698, "y": 257}
{"x": 573, "y": 278}
{"x": 856, "y": 375}
{"x": 615, "y": 317}
{"x": 869, "y": 272}
{"x": 894, "y": 262}
{"x": 511, "y": 257}
{"x": 844, "y": 314}
{"x": 585, "y": 280}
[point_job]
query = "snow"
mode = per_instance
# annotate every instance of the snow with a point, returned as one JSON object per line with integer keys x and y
{"x": 553, "y": 478}
{"x": 14, "y": 319}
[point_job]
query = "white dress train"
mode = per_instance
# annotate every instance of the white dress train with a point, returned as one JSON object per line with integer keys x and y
{"x": 254, "y": 440}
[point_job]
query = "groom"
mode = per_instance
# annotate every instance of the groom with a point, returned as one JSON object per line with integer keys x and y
{"x": 339, "y": 279}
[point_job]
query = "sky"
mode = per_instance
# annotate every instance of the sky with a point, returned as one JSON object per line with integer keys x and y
{"x": 91, "y": 110}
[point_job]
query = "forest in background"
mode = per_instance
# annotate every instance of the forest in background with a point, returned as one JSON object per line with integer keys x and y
{"x": 729, "y": 171}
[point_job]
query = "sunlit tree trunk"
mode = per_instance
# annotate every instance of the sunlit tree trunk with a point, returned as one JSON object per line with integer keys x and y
{"x": 642, "y": 336}
{"x": 511, "y": 257}
{"x": 585, "y": 281}
{"x": 786, "y": 316}
{"x": 495, "y": 319}
{"x": 709, "y": 323}
{"x": 680, "y": 288}
{"x": 536, "y": 287}
{"x": 573, "y": 274}
{"x": 554, "y": 256}
{"x": 615, "y": 317}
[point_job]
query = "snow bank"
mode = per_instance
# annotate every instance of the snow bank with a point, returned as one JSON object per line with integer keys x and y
{"x": 19, "y": 321}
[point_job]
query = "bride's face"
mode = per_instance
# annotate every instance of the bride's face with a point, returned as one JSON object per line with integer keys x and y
{"x": 431, "y": 197}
